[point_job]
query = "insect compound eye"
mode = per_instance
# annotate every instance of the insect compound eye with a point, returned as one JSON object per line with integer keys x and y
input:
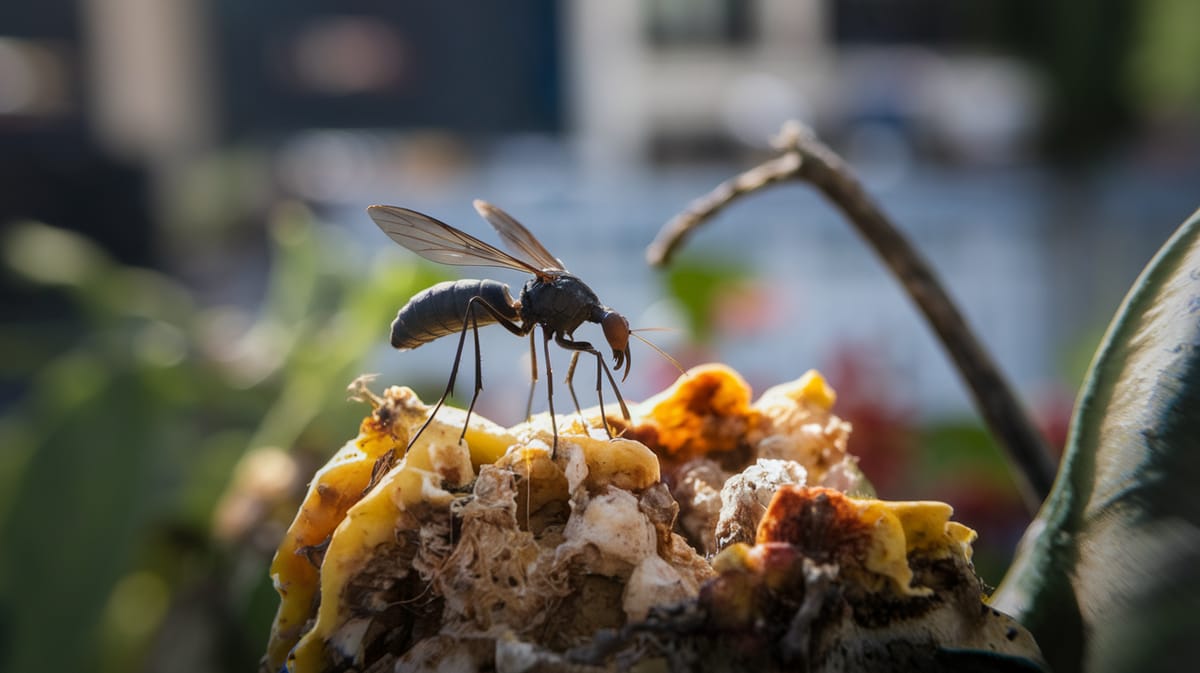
{"x": 616, "y": 330}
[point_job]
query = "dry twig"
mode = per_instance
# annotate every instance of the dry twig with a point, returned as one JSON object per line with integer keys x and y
{"x": 806, "y": 159}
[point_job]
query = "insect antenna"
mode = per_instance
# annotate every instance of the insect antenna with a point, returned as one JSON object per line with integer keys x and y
{"x": 658, "y": 350}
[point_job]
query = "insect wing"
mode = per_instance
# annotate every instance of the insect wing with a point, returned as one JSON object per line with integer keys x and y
{"x": 439, "y": 242}
{"x": 517, "y": 237}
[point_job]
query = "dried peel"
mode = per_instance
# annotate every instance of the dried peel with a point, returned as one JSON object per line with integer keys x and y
{"x": 334, "y": 502}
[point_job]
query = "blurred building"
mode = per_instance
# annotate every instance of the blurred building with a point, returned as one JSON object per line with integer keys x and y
{"x": 629, "y": 79}
{"x": 594, "y": 122}
{"x": 667, "y": 79}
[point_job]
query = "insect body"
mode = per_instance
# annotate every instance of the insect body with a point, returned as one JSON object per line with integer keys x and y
{"x": 554, "y": 299}
{"x": 439, "y": 310}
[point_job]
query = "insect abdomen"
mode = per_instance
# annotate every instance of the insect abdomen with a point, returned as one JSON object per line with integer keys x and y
{"x": 439, "y": 310}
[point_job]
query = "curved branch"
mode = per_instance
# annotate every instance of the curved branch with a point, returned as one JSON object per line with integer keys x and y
{"x": 805, "y": 158}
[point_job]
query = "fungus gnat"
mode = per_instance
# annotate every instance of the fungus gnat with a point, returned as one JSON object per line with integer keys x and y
{"x": 554, "y": 299}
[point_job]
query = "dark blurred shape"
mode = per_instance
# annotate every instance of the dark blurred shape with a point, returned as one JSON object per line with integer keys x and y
{"x": 56, "y": 176}
{"x": 1084, "y": 50}
{"x": 52, "y": 170}
{"x": 50, "y": 165}
{"x": 476, "y": 66}
{"x": 50, "y": 177}
{"x": 926, "y": 22}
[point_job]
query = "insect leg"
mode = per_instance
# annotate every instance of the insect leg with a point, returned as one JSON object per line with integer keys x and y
{"x": 616, "y": 391}
{"x": 478, "y": 375}
{"x": 585, "y": 347}
{"x": 468, "y": 321}
{"x": 571, "y": 387}
{"x": 599, "y": 393}
{"x": 600, "y": 396}
{"x": 533, "y": 376}
{"x": 462, "y": 339}
{"x": 550, "y": 390}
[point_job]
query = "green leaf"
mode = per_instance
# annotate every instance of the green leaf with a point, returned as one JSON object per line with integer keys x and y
{"x": 1108, "y": 575}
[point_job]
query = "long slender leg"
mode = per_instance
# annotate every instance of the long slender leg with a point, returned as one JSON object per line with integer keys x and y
{"x": 599, "y": 393}
{"x": 571, "y": 386}
{"x": 462, "y": 337}
{"x": 478, "y": 375}
{"x": 533, "y": 376}
{"x": 550, "y": 391}
{"x": 586, "y": 347}
{"x": 600, "y": 396}
{"x": 616, "y": 391}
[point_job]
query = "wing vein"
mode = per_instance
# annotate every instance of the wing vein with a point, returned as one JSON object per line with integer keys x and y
{"x": 517, "y": 237}
{"x": 439, "y": 242}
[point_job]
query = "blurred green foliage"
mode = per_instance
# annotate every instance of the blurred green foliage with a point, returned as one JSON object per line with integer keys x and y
{"x": 120, "y": 447}
{"x": 1162, "y": 70}
{"x": 1106, "y": 66}
{"x": 696, "y": 282}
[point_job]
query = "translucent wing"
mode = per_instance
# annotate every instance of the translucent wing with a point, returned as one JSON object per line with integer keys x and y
{"x": 517, "y": 237}
{"x": 439, "y": 242}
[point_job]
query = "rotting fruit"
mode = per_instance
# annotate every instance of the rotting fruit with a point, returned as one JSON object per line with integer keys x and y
{"x": 715, "y": 533}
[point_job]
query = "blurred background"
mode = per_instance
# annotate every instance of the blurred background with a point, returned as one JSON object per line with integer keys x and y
{"x": 189, "y": 279}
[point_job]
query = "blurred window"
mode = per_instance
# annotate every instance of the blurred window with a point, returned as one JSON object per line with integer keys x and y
{"x": 472, "y": 66}
{"x": 699, "y": 22}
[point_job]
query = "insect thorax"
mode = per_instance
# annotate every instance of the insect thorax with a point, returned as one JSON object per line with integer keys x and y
{"x": 562, "y": 303}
